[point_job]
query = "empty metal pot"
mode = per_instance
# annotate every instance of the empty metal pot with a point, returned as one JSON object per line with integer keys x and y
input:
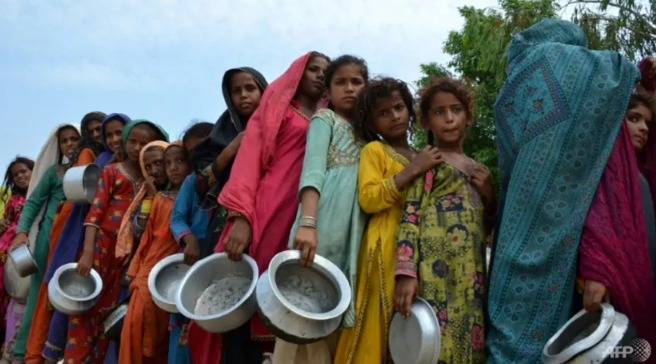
{"x": 17, "y": 287}
{"x": 80, "y": 183}
{"x": 590, "y": 337}
{"x": 113, "y": 322}
{"x": 204, "y": 273}
{"x": 291, "y": 322}
{"x": 164, "y": 281}
{"x": 416, "y": 339}
{"x": 23, "y": 260}
{"x": 72, "y": 293}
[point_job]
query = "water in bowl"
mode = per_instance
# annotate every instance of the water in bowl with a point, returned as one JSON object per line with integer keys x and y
{"x": 222, "y": 294}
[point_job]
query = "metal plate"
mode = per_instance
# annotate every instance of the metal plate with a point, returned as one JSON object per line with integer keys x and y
{"x": 415, "y": 340}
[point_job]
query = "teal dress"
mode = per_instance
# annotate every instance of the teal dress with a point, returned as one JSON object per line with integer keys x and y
{"x": 332, "y": 159}
{"x": 49, "y": 193}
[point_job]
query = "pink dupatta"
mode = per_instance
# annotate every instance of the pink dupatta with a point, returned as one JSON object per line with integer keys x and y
{"x": 251, "y": 163}
{"x": 614, "y": 246}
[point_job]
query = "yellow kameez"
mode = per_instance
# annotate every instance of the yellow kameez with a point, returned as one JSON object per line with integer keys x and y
{"x": 366, "y": 342}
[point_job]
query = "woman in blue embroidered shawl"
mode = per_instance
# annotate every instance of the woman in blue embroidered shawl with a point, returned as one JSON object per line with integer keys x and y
{"x": 73, "y": 233}
{"x": 557, "y": 118}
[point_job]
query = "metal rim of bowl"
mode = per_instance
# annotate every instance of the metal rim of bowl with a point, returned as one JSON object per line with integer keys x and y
{"x": 115, "y": 317}
{"x": 436, "y": 324}
{"x": 29, "y": 255}
{"x": 92, "y": 273}
{"x": 605, "y": 323}
{"x": 293, "y": 257}
{"x": 173, "y": 259}
{"x": 208, "y": 260}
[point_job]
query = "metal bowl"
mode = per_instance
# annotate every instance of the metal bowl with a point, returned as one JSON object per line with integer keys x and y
{"x": 17, "y": 287}
{"x": 207, "y": 271}
{"x": 320, "y": 316}
{"x": 416, "y": 339}
{"x": 589, "y": 337}
{"x": 164, "y": 281}
{"x": 80, "y": 183}
{"x": 71, "y": 293}
{"x": 113, "y": 322}
{"x": 23, "y": 260}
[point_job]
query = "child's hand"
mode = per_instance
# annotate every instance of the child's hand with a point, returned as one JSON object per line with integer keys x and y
{"x": 85, "y": 264}
{"x": 482, "y": 180}
{"x": 21, "y": 238}
{"x": 594, "y": 294}
{"x": 305, "y": 240}
{"x": 427, "y": 158}
{"x": 191, "y": 250}
{"x": 406, "y": 290}
{"x": 149, "y": 183}
{"x": 238, "y": 239}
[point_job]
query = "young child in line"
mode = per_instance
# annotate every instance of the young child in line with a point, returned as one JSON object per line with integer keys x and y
{"x": 16, "y": 182}
{"x": 440, "y": 252}
{"x": 189, "y": 227}
{"x": 116, "y": 190}
{"x": 144, "y": 337}
{"x": 388, "y": 164}
{"x": 329, "y": 221}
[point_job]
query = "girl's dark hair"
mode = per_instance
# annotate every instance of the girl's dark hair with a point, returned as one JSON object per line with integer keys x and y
{"x": 343, "y": 61}
{"x": 198, "y": 130}
{"x": 643, "y": 98}
{"x": 379, "y": 88}
{"x": 451, "y": 86}
{"x": 319, "y": 54}
{"x": 9, "y": 183}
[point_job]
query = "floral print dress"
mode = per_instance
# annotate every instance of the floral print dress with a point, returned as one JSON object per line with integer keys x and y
{"x": 441, "y": 241}
{"x": 86, "y": 341}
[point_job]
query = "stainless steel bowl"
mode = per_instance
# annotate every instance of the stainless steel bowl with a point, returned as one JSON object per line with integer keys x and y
{"x": 80, "y": 183}
{"x": 589, "y": 337}
{"x": 416, "y": 339}
{"x": 71, "y": 293}
{"x": 23, "y": 261}
{"x": 164, "y": 281}
{"x": 17, "y": 287}
{"x": 113, "y": 323}
{"x": 207, "y": 271}
{"x": 294, "y": 324}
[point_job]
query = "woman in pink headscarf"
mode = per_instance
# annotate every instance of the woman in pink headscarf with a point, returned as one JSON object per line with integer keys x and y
{"x": 617, "y": 252}
{"x": 261, "y": 195}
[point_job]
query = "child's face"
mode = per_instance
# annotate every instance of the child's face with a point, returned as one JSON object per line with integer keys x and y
{"x": 245, "y": 93}
{"x": 314, "y": 76}
{"x": 637, "y": 120}
{"x": 93, "y": 130}
{"x": 175, "y": 162}
{"x": 447, "y": 118}
{"x": 21, "y": 175}
{"x": 69, "y": 141}
{"x": 139, "y": 136}
{"x": 113, "y": 135}
{"x": 391, "y": 117}
{"x": 345, "y": 86}
{"x": 154, "y": 165}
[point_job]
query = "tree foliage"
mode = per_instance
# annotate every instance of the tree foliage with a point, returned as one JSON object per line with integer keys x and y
{"x": 479, "y": 51}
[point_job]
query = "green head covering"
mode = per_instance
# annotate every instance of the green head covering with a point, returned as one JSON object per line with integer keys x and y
{"x": 161, "y": 133}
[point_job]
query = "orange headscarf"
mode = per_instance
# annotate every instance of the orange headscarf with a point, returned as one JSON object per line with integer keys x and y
{"x": 125, "y": 239}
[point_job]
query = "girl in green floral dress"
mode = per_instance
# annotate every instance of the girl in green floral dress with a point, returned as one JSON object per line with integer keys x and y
{"x": 441, "y": 237}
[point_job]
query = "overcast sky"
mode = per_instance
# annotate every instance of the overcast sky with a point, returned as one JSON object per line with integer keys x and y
{"x": 163, "y": 60}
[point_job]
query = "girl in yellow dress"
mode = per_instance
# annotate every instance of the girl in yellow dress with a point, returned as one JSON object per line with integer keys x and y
{"x": 440, "y": 241}
{"x": 386, "y": 110}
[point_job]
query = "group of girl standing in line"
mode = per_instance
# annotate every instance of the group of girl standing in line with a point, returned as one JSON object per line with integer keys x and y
{"x": 317, "y": 161}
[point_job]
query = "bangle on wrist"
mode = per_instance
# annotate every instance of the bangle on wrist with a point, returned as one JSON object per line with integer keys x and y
{"x": 233, "y": 214}
{"x": 308, "y": 221}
